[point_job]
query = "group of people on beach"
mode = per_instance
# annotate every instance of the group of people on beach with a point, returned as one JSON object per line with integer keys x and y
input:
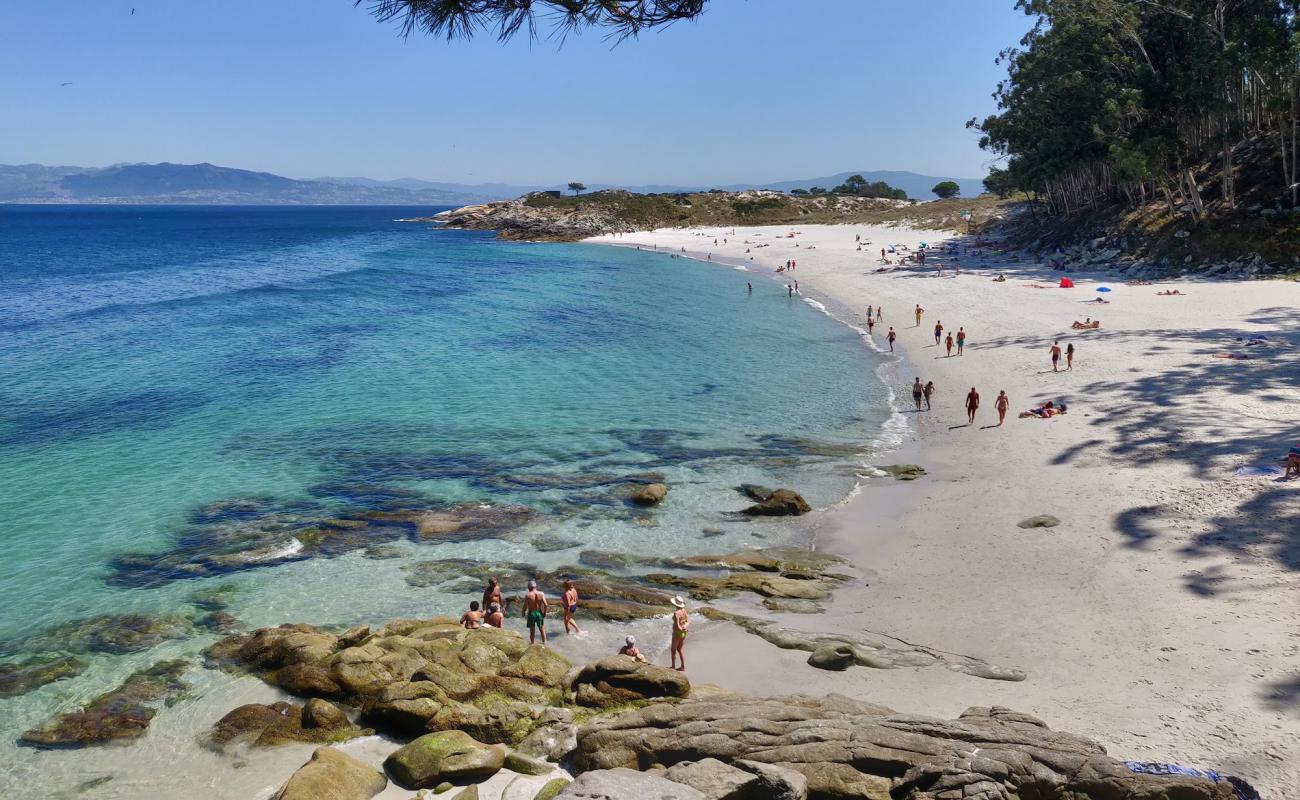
{"x": 490, "y": 613}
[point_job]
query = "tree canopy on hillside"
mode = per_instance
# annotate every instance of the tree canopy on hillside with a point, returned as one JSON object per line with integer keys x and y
{"x": 462, "y": 19}
{"x": 1122, "y": 100}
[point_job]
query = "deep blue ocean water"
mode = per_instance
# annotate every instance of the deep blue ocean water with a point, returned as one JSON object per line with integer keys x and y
{"x": 161, "y": 366}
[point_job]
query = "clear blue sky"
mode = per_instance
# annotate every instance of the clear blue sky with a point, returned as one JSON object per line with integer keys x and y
{"x": 755, "y": 90}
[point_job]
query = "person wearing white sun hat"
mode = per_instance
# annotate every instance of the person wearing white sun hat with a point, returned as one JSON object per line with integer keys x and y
{"x": 630, "y": 649}
{"x": 681, "y": 624}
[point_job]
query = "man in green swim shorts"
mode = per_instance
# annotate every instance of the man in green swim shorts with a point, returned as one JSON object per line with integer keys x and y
{"x": 535, "y": 609}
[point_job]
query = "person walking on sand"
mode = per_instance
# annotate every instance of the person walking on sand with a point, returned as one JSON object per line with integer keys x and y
{"x": 919, "y": 312}
{"x": 938, "y": 332}
{"x": 535, "y": 608}
{"x": 681, "y": 626}
{"x": 492, "y": 594}
{"x": 1001, "y": 405}
{"x": 570, "y": 607}
{"x": 1056, "y": 355}
{"x": 472, "y": 619}
{"x": 928, "y": 392}
{"x": 1069, "y": 356}
{"x": 891, "y": 337}
{"x": 961, "y": 339}
{"x": 917, "y": 391}
{"x": 972, "y": 404}
{"x": 948, "y": 344}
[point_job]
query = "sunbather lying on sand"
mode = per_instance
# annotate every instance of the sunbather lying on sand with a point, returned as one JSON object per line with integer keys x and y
{"x": 1168, "y": 292}
{"x": 1048, "y": 409}
{"x": 1000, "y": 279}
{"x": 1098, "y": 300}
{"x": 1087, "y": 325}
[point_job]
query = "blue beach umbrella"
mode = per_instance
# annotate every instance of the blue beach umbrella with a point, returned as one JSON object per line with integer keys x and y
{"x": 1103, "y": 288}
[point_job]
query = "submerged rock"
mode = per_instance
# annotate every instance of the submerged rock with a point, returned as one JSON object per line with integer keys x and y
{"x": 21, "y": 677}
{"x": 549, "y": 543}
{"x": 849, "y": 749}
{"x": 332, "y": 775}
{"x": 116, "y": 634}
{"x": 123, "y": 713}
{"x": 252, "y": 533}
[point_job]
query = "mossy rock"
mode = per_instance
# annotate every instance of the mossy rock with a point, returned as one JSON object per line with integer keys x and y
{"x": 551, "y": 789}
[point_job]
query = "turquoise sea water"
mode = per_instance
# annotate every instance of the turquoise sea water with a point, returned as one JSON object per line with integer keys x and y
{"x": 168, "y": 375}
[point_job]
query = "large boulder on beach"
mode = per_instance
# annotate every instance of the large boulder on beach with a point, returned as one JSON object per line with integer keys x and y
{"x": 618, "y": 680}
{"x": 835, "y": 657}
{"x": 444, "y": 756}
{"x": 626, "y": 784}
{"x": 845, "y": 748}
{"x": 780, "y": 503}
{"x": 332, "y": 775}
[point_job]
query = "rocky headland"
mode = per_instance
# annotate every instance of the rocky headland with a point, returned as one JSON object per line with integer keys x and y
{"x": 550, "y": 217}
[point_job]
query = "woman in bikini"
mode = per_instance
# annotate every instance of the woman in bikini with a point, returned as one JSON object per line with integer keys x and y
{"x": 570, "y": 607}
{"x": 948, "y": 343}
{"x": 681, "y": 626}
{"x": 1001, "y": 405}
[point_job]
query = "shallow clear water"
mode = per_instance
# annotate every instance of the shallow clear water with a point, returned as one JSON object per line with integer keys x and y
{"x": 157, "y": 360}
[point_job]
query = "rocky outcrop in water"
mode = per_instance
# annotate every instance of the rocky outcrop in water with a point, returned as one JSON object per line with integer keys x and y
{"x": 849, "y": 749}
{"x": 446, "y": 756}
{"x": 257, "y": 725}
{"x": 251, "y": 533}
{"x": 123, "y": 713}
{"x": 20, "y": 677}
{"x": 114, "y": 634}
{"x": 780, "y": 503}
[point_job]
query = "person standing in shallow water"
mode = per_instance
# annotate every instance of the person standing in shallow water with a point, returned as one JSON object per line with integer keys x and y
{"x": 972, "y": 405}
{"x": 535, "y": 608}
{"x": 892, "y": 336}
{"x": 681, "y": 625}
{"x": 570, "y": 607}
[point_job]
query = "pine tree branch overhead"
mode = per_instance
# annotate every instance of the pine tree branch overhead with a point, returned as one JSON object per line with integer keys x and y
{"x": 462, "y": 19}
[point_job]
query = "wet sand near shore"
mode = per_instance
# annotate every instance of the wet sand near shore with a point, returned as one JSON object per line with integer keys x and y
{"x": 1160, "y": 616}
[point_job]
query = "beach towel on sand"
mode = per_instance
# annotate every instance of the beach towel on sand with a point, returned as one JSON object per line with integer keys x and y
{"x": 1257, "y": 472}
{"x": 1243, "y": 790}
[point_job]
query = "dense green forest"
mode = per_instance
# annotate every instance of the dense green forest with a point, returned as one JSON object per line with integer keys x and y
{"x": 1188, "y": 103}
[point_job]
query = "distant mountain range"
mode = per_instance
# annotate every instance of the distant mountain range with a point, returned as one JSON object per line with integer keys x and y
{"x": 209, "y": 184}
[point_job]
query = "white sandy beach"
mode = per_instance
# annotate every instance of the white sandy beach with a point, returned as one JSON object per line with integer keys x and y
{"x": 1162, "y": 616}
